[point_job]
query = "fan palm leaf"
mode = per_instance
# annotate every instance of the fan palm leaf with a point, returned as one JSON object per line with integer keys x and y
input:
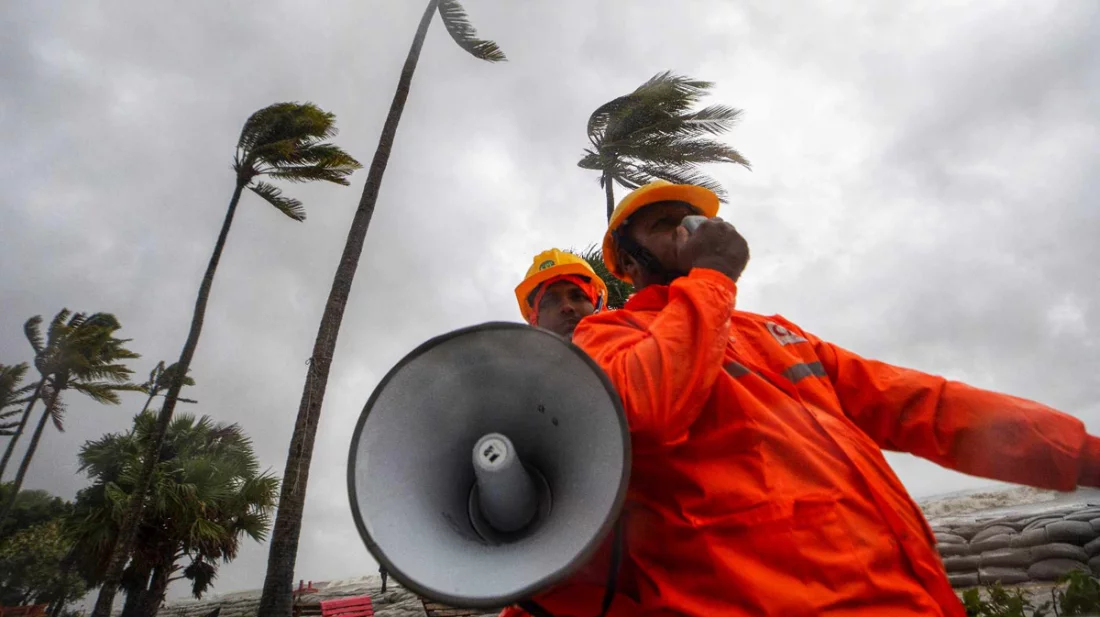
{"x": 206, "y": 495}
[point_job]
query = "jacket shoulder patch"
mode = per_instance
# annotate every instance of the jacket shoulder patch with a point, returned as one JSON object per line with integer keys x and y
{"x": 784, "y": 335}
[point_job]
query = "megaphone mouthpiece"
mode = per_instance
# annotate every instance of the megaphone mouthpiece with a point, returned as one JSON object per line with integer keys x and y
{"x": 506, "y": 494}
{"x": 692, "y": 222}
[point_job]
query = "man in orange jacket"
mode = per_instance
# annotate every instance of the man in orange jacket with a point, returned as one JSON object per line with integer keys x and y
{"x": 758, "y": 484}
{"x": 558, "y": 291}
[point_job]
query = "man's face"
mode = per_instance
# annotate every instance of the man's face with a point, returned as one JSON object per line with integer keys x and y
{"x": 562, "y": 306}
{"x": 654, "y": 228}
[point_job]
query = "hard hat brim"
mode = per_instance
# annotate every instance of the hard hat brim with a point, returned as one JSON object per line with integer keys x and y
{"x": 529, "y": 284}
{"x": 703, "y": 199}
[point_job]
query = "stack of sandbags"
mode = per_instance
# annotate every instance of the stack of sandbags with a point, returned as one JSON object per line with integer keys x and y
{"x": 1021, "y": 549}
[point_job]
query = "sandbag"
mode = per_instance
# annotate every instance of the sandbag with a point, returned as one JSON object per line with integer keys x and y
{"x": 1071, "y": 532}
{"x": 1007, "y": 558}
{"x": 1054, "y": 569}
{"x": 1004, "y": 576}
{"x": 1059, "y": 551}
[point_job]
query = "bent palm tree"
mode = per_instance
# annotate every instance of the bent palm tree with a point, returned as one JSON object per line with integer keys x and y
{"x": 285, "y": 141}
{"x": 278, "y": 585}
{"x": 652, "y": 133}
{"x": 32, "y": 330}
{"x": 82, "y": 354}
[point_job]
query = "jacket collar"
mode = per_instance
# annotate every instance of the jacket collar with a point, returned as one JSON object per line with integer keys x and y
{"x": 652, "y": 298}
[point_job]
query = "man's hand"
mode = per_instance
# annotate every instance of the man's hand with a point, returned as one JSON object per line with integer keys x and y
{"x": 715, "y": 245}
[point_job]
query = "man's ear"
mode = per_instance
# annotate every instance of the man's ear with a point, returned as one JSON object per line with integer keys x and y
{"x": 628, "y": 264}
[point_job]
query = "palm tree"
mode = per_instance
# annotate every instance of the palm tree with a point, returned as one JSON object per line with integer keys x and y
{"x": 278, "y": 585}
{"x": 81, "y": 354}
{"x": 12, "y": 397}
{"x": 160, "y": 379}
{"x": 285, "y": 141}
{"x": 208, "y": 494}
{"x": 32, "y": 330}
{"x": 652, "y": 133}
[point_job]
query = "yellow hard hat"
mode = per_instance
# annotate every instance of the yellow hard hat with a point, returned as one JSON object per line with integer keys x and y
{"x": 658, "y": 190}
{"x": 552, "y": 264}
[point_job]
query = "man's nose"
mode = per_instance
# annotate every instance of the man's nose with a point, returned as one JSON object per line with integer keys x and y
{"x": 568, "y": 308}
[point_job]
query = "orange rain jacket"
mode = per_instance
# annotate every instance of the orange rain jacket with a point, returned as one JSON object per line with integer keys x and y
{"x": 759, "y": 486}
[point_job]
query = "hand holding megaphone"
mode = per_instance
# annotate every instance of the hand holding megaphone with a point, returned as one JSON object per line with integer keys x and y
{"x": 710, "y": 243}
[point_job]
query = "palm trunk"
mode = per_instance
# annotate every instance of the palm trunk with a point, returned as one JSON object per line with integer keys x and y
{"x": 128, "y": 529}
{"x": 153, "y": 598}
{"x": 22, "y": 424}
{"x": 136, "y": 591}
{"x": 133, "y": 602}
{"x": 148, "y": 402}
{"x": 29, "y": 455}
{"x": 62, "y": 599}
{"x": 277, "y": 598}
{"x": 609, "y": 191}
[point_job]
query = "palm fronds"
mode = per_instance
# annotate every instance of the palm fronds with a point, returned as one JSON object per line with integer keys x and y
{"x": 286, "y": 141}
{"x": 465, "y": 36}
{"x": 13, "y": 395}
{"x": 652, "y": 133}
{"x": 208, "y": 493}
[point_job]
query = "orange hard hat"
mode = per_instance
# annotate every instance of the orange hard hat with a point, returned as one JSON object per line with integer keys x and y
{"x": 703, "y": 199}
{"x": 553, "y": 264}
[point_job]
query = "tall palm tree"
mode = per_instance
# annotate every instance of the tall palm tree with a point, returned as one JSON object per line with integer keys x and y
{"x": 652, "y": 133}
{"x": 285, "y": 141}
{"x": 84, "y": 355}
{"x": 278, "y": 585}
{"x": 12, "y": 397}
{"x": 208, "y": 494}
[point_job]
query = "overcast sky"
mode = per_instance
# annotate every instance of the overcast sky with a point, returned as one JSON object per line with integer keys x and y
{"x": 924, "y": 191}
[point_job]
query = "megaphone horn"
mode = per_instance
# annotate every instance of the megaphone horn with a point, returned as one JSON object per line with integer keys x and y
{"x": 488, "y": 465}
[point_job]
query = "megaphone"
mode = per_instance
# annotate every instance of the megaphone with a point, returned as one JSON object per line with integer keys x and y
{"x": 488, "y": 465}
{"x": 692, "y": 222}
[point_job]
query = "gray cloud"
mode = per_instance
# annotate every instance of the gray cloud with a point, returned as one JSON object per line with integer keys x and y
{"x": 922, "y": 192}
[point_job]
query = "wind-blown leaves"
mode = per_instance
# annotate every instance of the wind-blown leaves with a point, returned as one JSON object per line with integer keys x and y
{"x": 652, "y": 133}
{"x": 465, "y": 36}
{"x": 86, "y": 356}
{"x": 33, "y": 330}
{"x": 274, "y": 196}
{"x": 286, "y": 141}
{"x": 13, "y": 395}
{"x": 82, "y": 353}
{"x": 160, "y": 379}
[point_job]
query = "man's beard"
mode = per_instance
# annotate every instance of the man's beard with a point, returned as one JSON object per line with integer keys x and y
{"x": 666, "y": 276}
